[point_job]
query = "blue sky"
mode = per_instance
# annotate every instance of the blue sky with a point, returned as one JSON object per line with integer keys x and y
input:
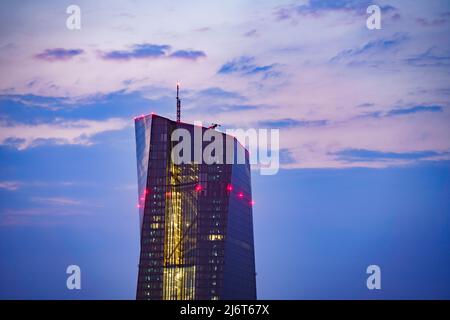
{"x": 364, "y": 119}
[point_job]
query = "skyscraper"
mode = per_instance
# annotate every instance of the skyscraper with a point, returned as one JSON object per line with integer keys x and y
{"x": 196, "y": 225}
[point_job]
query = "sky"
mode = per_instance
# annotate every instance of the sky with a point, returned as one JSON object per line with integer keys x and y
{"x": 364, "y": 125}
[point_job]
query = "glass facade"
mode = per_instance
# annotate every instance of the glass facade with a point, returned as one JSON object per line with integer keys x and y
{"x": 196, "y": 221}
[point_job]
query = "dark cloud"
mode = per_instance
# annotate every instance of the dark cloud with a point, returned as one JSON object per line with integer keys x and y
{"x": 152, "y": 51}
{"x": 58, "y": 54}
{"x": 365, "y": 105}
{"x": 246, "y": 65}
{"x": 188, "y": 54}
{"x": 415, "y": 109}
{"x": 138, "y": 51}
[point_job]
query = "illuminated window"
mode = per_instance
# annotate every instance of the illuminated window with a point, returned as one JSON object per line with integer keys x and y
{"x": 215, "y": 237}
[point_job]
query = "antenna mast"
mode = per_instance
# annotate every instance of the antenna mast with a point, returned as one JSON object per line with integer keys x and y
{"x": 178, "y": 103}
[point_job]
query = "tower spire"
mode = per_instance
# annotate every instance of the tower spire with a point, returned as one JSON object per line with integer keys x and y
{"x": 178, "y": 103}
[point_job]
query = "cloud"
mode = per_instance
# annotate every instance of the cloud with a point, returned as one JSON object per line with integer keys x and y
{"x": 394, "y": 140}
{"x": 215, "y": 102}
{"x": 357, "y": 155}
{"x": 251, "y": 33}
{"x": 245, "y": 65}
{"x": 188, "y": 54}
{"x": 430, "y": 59}
{"x": 216, "y": 92}
{"x": 32, "y": 109}
{"x": 370, "y": 49}
{"x": 365, "y": 105}
{"x": 79, "y": 132}
{"x": 203, "y": 29}
{"x": 225, "y": 108}
{"x": 152, "y": 51}
{"x": 431, "y": 23}
{"x": 56, "y": 201}
{"x": 286, "y": 157}
{"x": 216, "y": 109}
{"x": 438, "y": 20}
{"x": 10, "y": 185}
{"x": 320, "y": 7}
{"x": 310, "y": 89}
{"x": 415, "y": 109}
{"x": 42, "y": 216}
{"x": 138, "y": 51}
{"x": 58, "y": 54}
{"x": 16, "y": 185}
{"x": 401, "y": 112}
{"x": 289, "y": 123}
{"x": 44, "y": 102}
